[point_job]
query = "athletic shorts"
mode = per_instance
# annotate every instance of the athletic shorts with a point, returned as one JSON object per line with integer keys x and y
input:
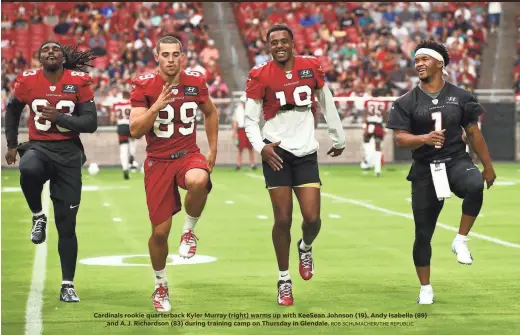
{"x": 296, "y": 170}
{"x": 374, "y": 129}
{"x": 243, "y": 141}
{"x": 162, "y": 179}
{"x": 123, "y": 132}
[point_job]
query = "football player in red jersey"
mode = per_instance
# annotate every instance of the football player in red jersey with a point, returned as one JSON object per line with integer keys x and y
{"x": 121, "y": 116}
{"x": 374, "y": 117}
{"x": 60, "y": 99}
{"x": 163, "y": 109}
{"x": 284, "y": 89}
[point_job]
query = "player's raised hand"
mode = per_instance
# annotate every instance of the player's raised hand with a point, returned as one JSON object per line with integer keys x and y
{"x": 10, "y": 156}
{"x": 435, "y": 138}
{"x": 164, "y": 98}
{"x": 270, "y": 156}
{"x": 335, "y": 152}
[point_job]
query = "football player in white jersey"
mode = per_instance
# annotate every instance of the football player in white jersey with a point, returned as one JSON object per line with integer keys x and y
{"x": 374, "y": 117}
{"x": 127, "y": 147}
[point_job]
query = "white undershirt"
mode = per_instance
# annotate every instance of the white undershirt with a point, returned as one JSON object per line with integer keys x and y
{"x": 294, "y": 128}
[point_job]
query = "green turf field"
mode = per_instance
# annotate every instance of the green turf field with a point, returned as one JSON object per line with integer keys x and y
{"x": 362, "y": 256}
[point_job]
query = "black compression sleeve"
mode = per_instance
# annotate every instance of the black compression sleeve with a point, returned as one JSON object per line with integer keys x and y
{"x": 85, "y": 122}
{"x": 13, "y": 113}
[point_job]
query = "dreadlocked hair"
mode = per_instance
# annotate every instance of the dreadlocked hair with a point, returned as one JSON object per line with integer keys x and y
{"x": 75, "y": 60}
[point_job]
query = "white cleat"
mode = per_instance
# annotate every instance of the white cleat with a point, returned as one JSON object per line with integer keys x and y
{"x": 161, "y": 299}
{"x": 188, "y": 244}
{"x": 425, "y": 296}
{"x": 460, "y": 248}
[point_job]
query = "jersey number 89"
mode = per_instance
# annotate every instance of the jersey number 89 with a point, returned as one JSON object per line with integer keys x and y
{"x": 164, "y": 126}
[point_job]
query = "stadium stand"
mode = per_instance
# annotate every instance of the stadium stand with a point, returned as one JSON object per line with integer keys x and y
{"x": 121, "y": 35}
{"x": 367, "y": 46}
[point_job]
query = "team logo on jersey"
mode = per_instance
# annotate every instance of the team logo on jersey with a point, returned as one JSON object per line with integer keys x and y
{"x": 70, "y": 89}
{"x": 452, "y": 100}
{"x": 288, "y": 75}
{"x": 52, "y": 88}
{"x": 191, "y": 90}
{"x": 435, "y": 101}
{"x": 306, "y": 73}
{"x": 175, "y": 91}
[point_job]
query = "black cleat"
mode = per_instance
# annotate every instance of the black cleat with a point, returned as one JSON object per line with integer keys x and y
{"x": 126, "y": 175}
{"x": 68, "y": 293}
{"x": 39, "y": 226}
{"x": 253, "y": 167}
{"x": 237, "y": 168}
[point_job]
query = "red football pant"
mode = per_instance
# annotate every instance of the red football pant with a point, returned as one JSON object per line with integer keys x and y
{"x": 162, "y": 180}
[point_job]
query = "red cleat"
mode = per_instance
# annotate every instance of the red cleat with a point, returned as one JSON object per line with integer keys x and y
{"x": 306, "y": 263}
{"x": 285, "y": 297}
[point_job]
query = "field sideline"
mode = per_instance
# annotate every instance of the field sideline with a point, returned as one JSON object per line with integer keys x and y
{"x": 362, "y": 255}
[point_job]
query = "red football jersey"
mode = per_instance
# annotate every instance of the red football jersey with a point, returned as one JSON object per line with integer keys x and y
{"x": 34, "y": 89}
{"x": 270, "y": 83}
{"x": 122, "y": 110}
{"x": 175, "y": 127}
{"x": 376, "y": 109}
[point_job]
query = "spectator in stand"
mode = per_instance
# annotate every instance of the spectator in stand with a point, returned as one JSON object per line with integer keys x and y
{"x": 20, "y": 22}
{"x": 262, "y": 57}
{"x": 36, "y": 17}
{"x": 494, "y": 13}
{"x": 63, "y": 27}
{"x": 209, "y": 52}
{"x": 6, "y": 23}
{"x": 218, "y": 89}
{"x": 98, "y": 45}
{"x": 193, "y": 65}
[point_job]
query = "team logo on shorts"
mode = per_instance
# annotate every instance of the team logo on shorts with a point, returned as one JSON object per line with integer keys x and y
{"x": 70, "y": 89}
{"x": 306, "y": 73}
{"x": 191, "y": 90}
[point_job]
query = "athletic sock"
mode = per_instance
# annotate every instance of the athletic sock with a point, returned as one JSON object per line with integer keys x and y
{"x": 160, "y": 277}
{"x": 284, "y": 275}
{"x": 189, "y": 224}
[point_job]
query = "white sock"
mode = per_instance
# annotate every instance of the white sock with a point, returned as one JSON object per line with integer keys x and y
{"x": 160, "y": 277}
{"x": 460, "y": 237}
{"x": 304, "y": 246}
{"x": 67, "y": 282}
{"x": 38, "y": 214}
{"x": 367, "y": 153}
{"x": 190, "y": 223}
{"x": 132, "y": 146}
{"x": 284, "y": 275}
{"x": 123, "y": 155}
{"x": 427, "y": 287}
{"x": 377, "y": 162}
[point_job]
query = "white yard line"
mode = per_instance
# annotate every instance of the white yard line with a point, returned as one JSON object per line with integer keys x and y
{"x": 33, "y": 312}
{"x": 404, "y": 215}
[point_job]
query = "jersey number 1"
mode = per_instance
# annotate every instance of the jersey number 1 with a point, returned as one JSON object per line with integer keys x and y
{"x": 437, "y": 117}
